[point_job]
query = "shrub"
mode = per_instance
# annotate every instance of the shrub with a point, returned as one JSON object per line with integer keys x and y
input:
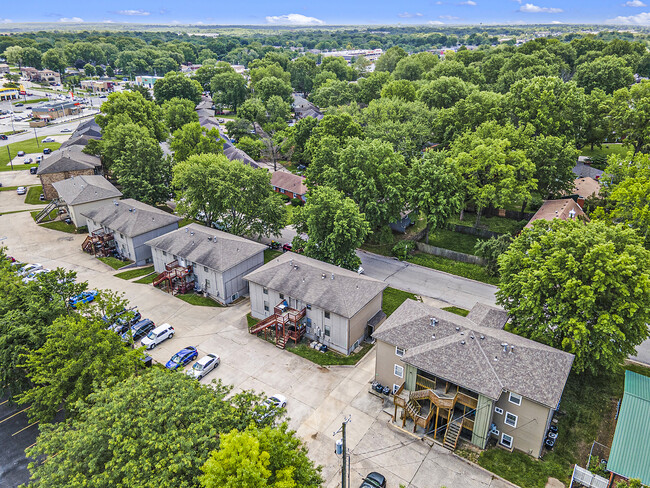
{"x": 402, "y": 249}
{"x": 491, "y": 249}
{"x": 297, "y": 202}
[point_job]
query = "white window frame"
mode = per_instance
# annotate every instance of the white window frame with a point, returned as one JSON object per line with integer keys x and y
{"x": 516, "y": 397}
{"x": 498, "y": 410}
{"x": 395, "y": 388}
{"x": 265, "y": 291}
{"x": 503, "y": 436}
{"x": 505, "y": 419}
{"x": 397, "y": 368}
{"x": 399, "y": 352}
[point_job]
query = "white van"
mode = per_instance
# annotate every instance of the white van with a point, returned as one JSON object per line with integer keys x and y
{"x": 158, "y": 335}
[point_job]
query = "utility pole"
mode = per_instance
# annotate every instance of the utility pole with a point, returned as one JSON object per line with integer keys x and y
{"x": 10, "y": 160}
{"x": 344, "y": 453}
{"x": 36, "y": 138}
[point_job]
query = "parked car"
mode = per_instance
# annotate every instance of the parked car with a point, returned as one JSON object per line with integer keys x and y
{"x": 286, "y": 247}
{"x": 28, "y": 161}
{"x": 47, "y": 150}
{"x": 203, "y": 366}
{"x": 125, "y": 320}
{"x": 21, "y": 190}
{"x": 48, "y": 139}
{"x": 20, "y": 154}
{"x": 277, "y": 401}
{"x": 140, "y": 329}
{"x": 158, "y": 335}
{"x": 19, "y": 104}
{"x": 3, "y": 137}
{"x": 374, "y": 480}
{"x": 182, "y": 357}
{"x": 83, "y": 297}
{"x": 34, "y": 275}
{"x": 67, "y": 220}
{"x": 33, "y": 170}
{"x": 67, "y": 129}
{"x": 28, "y": 268}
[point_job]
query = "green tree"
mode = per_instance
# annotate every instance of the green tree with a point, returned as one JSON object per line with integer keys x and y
{"x": 369, "y": 88}
{"x": 142, "y": 90}
{"x": 277, "y": 109}
{"x": 14, "y": 55}
{"x": 444, "y": 92}
{"x": 338, "y": 66}
{"x": 581, "y": 288}
{"x": 271, "y": 69}
{"x": 334, "y": 225}
{"x": 433, "y": 189}
{"x": 205, "y": 73}
{"x": 125, "y": 434}
{"x": 491, "y": 249}
{"x": 253, "y": 111}
{"x": 609, "y": 73}
{"x": 333, "y": 93}
{"x": 89, "y": 70}
{"x": 164, "y": 65}
{"x": 402, "y": 89}
{"x": 270, "y": 86}
{"x": 303, "y": 70}
{"x": 239, "y": 128}
{"x": 630, "y": 115}
{"x": 294, "y": 139}
{"x": 269, "y": 457}
{"x": 178, "y": 112}
{"x": 193, "y": 139}
{"x": 252, "y": 147}
{"x": 228, "y": 89}
{"x": 78, "y": 356}
{"x": 109, "y": 71}
{"x": 54, "y": 59}
{"x": 338, "y": 125}
{"x": 388, "y": 61}
{"x": 554, "y": 159}
{"x": 177, "y": 85}
{"x": 32, "y": 57}
{"x": 468, "y": 114}
{"x": 236, "y": 195}
{"x": 596, "y": 126}
{"x": 132, "y": 105}
{"x": 408, "y": 68}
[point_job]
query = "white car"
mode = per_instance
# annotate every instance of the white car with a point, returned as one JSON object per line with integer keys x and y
{"x": 34, "y": 275}
{"x": 277, "y": 400}
{"x": 48, "y": 139}
{"x": 21, "y": 190}
{"x": 203, "y": 366}
{"x": 25, "y": 270}
{"x": 158, "y": 335}
{"x": 66, "y": 130}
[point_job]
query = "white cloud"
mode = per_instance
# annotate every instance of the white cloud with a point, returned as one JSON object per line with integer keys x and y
{"x": 5, "y": 21}
{"x": 293, "y": 19}
{"x": 468, "y": 2}
{"x": 71, "y": 19}
{"x": 557, "y": 22}
{"x": 535, "y": 9}
{"x": 435, "y": 22}
{"x": 108, "y": 21}
{"x": 634, "y": 3}
{"x": 448, "y": 17}
{"x": 408, "y": 15}
{"x": 640, "y": 19}
{"x": 133, "y": 12}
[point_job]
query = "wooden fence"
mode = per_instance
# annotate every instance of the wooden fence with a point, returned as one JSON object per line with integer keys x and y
{"x": 449, "y": 254}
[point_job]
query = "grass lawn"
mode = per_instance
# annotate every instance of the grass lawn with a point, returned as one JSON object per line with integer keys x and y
{"x": 12, "y": 132}
{"x": 467, "y": 270}
{"x": 29, "y": 146}
{"x": 147, "y": 280}
{"x": 271, "y": 254}
{"x": 606, "y": 150}
{"x": 199, "y": 300}
{"x": 393, "y": 298}
{"x": 63, "y": 227}
{"x": 134, "y": 273}
{"x": 457, "y": 310}
{"x": 495, "y": 224}
{"x": 113, "y": 262}
{"x": 455, "y": 241}
{"x": 589, "y": 405}
{"x": 329, "y": 358}
{"x": 33, "y": 195}
{"x": 35, "y": 100}
{"x": 8, "y": 188}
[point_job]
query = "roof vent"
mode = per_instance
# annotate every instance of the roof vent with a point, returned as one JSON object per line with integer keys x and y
{"x": 505, "y": 346}
{"x": 462, "y": 342}
{"x": 295, "y": 266}
{"x": 482, "y": 337}
{"x": 496, "y": 358}
{"x": 322, "y": 276}
{"x": 572, "y": 213}
{"x": 434, "y": 321}
{"x": 115, "y": 203}
{"x": 332, "y": 275}
{"x": 290, "y": 262}
{"x": 457, "y": 328}
{"x": 192, "y": 233}
{"x": 471, "y": 337}
{"x": 433, "y": 336}
{"x": 209, "y": 238}
{"x": 512, "y": 349}
{"x": 186, "y": 230}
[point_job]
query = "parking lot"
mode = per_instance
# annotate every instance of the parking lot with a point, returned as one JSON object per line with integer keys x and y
{"x": 318, "y": 398}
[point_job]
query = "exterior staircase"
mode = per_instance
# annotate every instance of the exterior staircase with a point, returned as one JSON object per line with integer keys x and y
{"x": 282, "y": 341}
{"x": 452, "y": 435}
{"x": 412, "y": 409}
{"x": 44, "y": 213}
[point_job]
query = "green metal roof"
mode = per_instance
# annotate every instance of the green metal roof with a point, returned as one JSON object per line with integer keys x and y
{"x": 630, "y": 453}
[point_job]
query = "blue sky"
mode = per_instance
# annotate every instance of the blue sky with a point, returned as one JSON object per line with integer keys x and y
{"x": 632, "y": 12}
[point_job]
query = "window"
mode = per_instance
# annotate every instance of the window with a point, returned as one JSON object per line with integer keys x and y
{"x": 399, "y": 351}
{"x": 506, "y": 440}
{"x": 164, "y": 253}
{"x": 399, "y": 371}
{"x": 327, "y": 330}
{"x": 514, "y": 398}
{"x": 205, "y": 268}
{"x": 266, "y": 306}
{"x": 327, "y": 315}
{"x": 121, "y": 235}
{"x": 511, "y": 419}
{"x": 265, "y": 291}
{"x": 498, "y": 410}
{"x": 207, "y": 284}
{"x": 308, "y": 306}
{"x": 395, "y": 388}
{"x": 281, "y": 296}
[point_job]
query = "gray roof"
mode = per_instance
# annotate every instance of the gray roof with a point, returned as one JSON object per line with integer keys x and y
{"x": 85, "y": 189}
{"x": 88, "y": 128}
{"x": 208, "y": 247}
{"x": 488, "y": 316}
{"x": 81, "y": 140}
{"x": 583, "y": 170}
{"x": 68, "y": 159}
{"x": 329, "y": 287}
{"x": 205, "y": 113}
{"x": 234, "y": 153}
{"x": 130, "y": 217}
{"x": 204, "y": 104}
{"x": 529, "y": 368}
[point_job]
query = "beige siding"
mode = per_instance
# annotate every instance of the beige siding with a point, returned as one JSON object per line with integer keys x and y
{"x": 359, "y": 323}
{"x": 532, "y": 420}
{"x": 75, "y": 211}
{"x": 385, "y": 361}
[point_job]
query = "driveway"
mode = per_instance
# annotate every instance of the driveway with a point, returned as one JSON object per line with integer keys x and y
{"x": 20, "y": 177}
{"x": 318, "y": 398}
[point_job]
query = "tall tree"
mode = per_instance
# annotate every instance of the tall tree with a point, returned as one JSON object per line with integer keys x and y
{"x": 194, "y": 139}
{"x": 402, "y": 89}
{"x": 584, "y": 289}
{"x": 303, "y": 70}
{"x": 228, "y": 89}
{"x": 14, "y": 55}
{"x": 334, "y": 225}
{"x": 554, "y": 159}
{"x": 444, "y": 92}
{"x": 178, "y": 112}
{"x": 630, "y": 115}
{"x": 608, "y": 73}
{"x": 433, "y": 189}
{"x": 270, "y": 86}
{"x": 54, "y": 59}
{"x": 388, "y": 61}
{"x": 177, "y": 85}
{"x": 137, "y": 109}
{"x": 236, "y": 195}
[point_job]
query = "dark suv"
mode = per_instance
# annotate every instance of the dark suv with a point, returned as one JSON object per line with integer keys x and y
{"x": 139, "y": 330}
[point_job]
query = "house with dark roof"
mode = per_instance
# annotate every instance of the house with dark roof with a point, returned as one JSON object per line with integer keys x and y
{"x": 132, "y": 224}
{"x": 584, "y": 170}
{"x": 84, "y": 193}
{"x": 289, "y": 184}
{"x": 218, "y": 260}
{"x": 336, "y": 306}
{"x": 63, "y": 164}
{"x": 564, "y": 209}
{"x": 454, "y": 376}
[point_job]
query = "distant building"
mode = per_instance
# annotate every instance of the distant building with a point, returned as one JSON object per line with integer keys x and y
{"x": 8, "y": 94}
{"x": 46, "y": 75}
{"x": 55, "y": 110}
{"x": 4, "y": 68}
{"x": 147, "y": 81}
{"x": 97, "y": 86}
{"x": 289, "y": 184}
{"x": 370, "y": 54}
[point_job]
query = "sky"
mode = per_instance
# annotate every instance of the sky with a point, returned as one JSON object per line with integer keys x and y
{"x": 335, "y": 12}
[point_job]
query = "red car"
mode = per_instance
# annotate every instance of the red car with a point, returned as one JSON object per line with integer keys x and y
{"x": 286, "y": 247}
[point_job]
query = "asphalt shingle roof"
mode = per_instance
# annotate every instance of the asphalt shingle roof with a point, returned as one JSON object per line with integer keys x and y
{"x": 68, "y": 159}
{"x": 558, "y": 209}
{"x": 208, "y": 247}
{"x": 130, "y": 217}
{"x": 289, "y": 182}
{"x": 85, "y": 189}
{"x": 583, "y": 170}
{"x": 472, "y": 354}
{"x": 329, "y": 287}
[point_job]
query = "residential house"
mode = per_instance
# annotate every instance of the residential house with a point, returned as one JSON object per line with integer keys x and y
{"x": 66, "y": 163}
{"x": 584, "y": 170}
{"x": 132, "y": 224}
{"x": 218, "y": 260}
{"x": 46, "y": 75}
{"x": 85, "y": 132}
{"x": 84, "y": 193}
{"x": 235, "y": 154}
{"x": 584, "y": 188}
{"x": 289, "y": 184}
{"x": 629, "y": 456}
{"x": 456, "y": 376}
{"x": 304, "y": 108}
{"x": 565, "y": 209}
{"x": 340, "y": 306}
